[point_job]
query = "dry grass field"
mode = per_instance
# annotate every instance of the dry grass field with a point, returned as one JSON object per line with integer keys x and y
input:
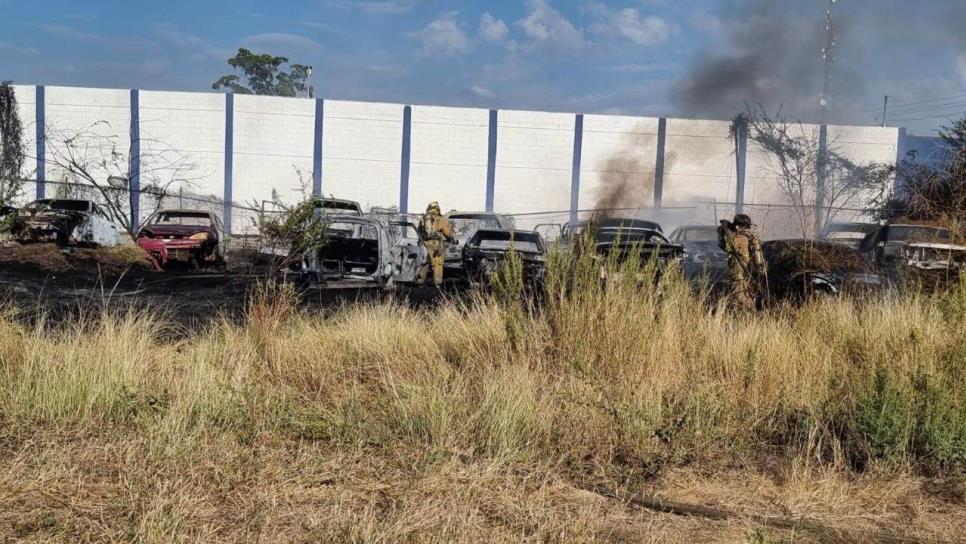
{"x": 496, "y": 420}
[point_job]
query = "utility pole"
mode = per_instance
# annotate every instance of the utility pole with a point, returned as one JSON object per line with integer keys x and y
{"x": 828, "y": 57}
{"x": 885, "y": 106}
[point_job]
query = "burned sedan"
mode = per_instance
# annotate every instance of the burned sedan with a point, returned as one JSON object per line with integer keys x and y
{"x": 703, "y": 256}
{"x": 620, "y": 236}
{"x": 849, "y": 234}
{"x": 800, "y": 269}
{"x": 67, "y": 222}
{"x": 488, "y": 249}
{"x": 192, "y": 237}
{"x": 919, "y": 249}
{"x": 360, "y": 252}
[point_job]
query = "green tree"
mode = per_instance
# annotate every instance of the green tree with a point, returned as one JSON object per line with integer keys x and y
{"x": 11, "y": 146}
{"x": 955, "y": 135}
{"x": 262, "y": 73}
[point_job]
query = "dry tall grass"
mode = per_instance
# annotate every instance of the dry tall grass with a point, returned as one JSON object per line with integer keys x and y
{"x": 483, "y": 421}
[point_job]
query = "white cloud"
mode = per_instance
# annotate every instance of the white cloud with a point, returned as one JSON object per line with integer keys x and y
{"x": 282, "y": 43}
{"x": 19, "y": 50}
{"x": 492, "y": 29}
{"x": 113, "y": 42}
{"x": 706, "y": 22}
{"x": 631, "y": 25}
{"x": 640, "y": 68}
{"x": 322, "y": 26}
{"x": 201, "y": 49}
{"x": 482, "y": 92}
{"x": 961, "y": 67}
{"x": 544, "y": 24}
{"x": 444, "y": 37}
{"x": 384, "y": 7}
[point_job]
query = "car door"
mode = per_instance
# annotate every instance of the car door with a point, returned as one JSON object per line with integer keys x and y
{"x": 408, "y": 252}
{"x": 102, "y": 230}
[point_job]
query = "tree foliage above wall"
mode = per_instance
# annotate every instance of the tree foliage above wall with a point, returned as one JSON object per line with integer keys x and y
{"x": 262, "y": 73}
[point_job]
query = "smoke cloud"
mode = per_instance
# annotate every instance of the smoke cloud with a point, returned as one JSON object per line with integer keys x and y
{"x": 772, "y": 56}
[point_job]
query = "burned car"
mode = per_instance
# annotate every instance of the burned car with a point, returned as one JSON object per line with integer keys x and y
{"x": 273, "y": 248}
{"x": 622, "y": 235}
{"x": 67, "y": 222}
{"x": 898, "y": 248}
{"x": 361, "y": 252}
{"x": 703, "y": 256}
{"x": 799, "y": 269}
{"x": 465, "y": 224}
{"x": 487, "y": 250}
{"x": 849, "y": 234}
{"x": 192, "y": 237}
{"x": 338, "y": 206}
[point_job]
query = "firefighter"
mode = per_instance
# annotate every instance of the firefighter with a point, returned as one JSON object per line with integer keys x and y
{"x": 434, "y": 229}
{"x": 746, "y": 264}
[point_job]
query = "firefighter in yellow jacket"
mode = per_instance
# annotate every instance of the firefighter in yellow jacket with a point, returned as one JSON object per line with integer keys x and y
{"x": 746, "y": 264}
{"x": 434, "y": 229}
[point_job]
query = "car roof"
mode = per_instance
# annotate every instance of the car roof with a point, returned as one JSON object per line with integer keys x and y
{"x": 186, "y": 211}
{"x": 452, "y": 213}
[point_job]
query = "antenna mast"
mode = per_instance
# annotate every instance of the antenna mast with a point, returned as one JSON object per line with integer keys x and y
{"x": 828, "y": 57}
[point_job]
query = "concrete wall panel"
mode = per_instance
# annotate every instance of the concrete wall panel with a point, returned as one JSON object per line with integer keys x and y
{"x": 186, "y": 129}
{"x": 272, "y": 149}
{"x": 362, "y": 150}
{"x": 699, "y": 162}
{"x": 449, "y": 157}
{"x": 618, "y": 161}
{"x": 534, "y": 161}
{"x": 101, "y": 116}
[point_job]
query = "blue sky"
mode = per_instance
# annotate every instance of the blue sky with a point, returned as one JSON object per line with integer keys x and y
{"x": 608, "y": 56}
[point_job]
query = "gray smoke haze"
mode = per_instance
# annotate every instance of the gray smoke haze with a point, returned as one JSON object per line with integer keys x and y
{"x": 624, "y": 184}
{"x": 771, "y": 55}
{"x": 770, "y": 52}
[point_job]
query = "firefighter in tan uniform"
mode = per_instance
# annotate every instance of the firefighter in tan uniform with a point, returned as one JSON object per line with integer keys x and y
{"x": 746, "y": 264}
{"x": 434, "y": 229}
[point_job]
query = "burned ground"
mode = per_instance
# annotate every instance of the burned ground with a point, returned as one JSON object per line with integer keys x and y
{"x": 61, "y": 284}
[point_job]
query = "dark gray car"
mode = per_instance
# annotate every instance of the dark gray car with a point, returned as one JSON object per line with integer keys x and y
{"x": 703, "y": 257}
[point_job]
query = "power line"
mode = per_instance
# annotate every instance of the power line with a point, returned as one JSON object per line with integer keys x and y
{"x": 941, "y": 115}
{"x": 900, "y": 105}
{"x": 926, "y": 109}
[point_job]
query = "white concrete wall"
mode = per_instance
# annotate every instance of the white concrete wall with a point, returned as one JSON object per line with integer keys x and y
{"x": 188, "y": 129}
{"x": 102, "y": 114}
{"x": 618, "y": 161}
{"x": 448, "y": 158}
{"x": 699, "y": 163}
{"x": 272, "y": 149}
{"x": 362, "y": 149}
{"x": 534, "y": 159}
{"x": 361, "y": 152}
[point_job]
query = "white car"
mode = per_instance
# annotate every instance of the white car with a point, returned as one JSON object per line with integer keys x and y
{"x": 67, "y": 222}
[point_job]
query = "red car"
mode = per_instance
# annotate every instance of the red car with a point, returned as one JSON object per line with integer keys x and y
{"x": 192, "y": 237}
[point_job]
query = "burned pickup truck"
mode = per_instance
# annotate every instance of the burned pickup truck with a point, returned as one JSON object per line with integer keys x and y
{"x": 192, "y": 237}
{"x": 362, "y": 252}
{"x": 465, "y": 225}
{"x": 66, "y": 222}
{"x": 486, "y": 251}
